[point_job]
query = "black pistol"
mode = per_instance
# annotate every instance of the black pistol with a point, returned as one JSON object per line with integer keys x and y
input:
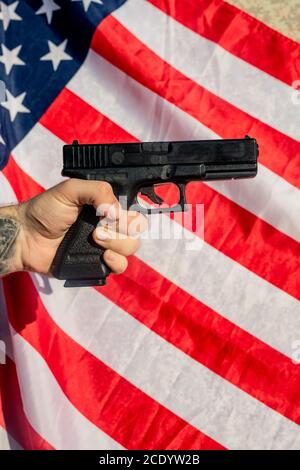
{"x": 137, "y": 168}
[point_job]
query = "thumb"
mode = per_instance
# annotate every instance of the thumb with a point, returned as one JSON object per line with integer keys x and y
{"x": 96, "y": 193}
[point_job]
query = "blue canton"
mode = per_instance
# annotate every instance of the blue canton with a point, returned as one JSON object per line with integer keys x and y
{"x": 42, "y": 45}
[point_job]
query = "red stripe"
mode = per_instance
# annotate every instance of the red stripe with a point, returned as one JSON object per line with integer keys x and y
{"x": 239, "y": 33}
{"x": 2, "y": 421}
{"x": 278, "y": 152}
{"x": 12, "y": 415}
{"x": 252, "y": 242}
{"x": 112, "y": 403}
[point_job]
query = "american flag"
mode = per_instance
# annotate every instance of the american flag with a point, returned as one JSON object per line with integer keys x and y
{"x": 186, "y": 349}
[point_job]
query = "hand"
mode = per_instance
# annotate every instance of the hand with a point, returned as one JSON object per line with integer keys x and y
{"x": 44, "y": 220}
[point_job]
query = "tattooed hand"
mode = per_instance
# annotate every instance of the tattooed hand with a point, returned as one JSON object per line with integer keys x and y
{"x": 9, "y": 231}
{"x": 31, "y": 232}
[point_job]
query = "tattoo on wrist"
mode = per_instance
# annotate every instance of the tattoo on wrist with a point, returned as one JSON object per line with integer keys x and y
{"x": 9, "y": 230}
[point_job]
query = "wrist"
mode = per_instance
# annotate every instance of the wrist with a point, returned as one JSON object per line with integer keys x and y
{"x": 11, "y": 234}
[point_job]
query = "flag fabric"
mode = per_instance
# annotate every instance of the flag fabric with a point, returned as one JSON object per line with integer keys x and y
{"x": 187, "y": 349}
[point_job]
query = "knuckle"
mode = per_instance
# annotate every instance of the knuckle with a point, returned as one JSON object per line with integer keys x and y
{"x": 74, "y": 182}
{"x": 71, "y": 187}
{"x": 105, "y": 188}
{"x": 69, "y": 184}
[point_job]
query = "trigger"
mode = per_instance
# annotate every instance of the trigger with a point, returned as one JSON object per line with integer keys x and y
{"x": 151, "y": 194}
{"x": 182, "y": 201}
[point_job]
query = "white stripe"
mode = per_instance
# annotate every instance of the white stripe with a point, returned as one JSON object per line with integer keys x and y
{"x": 40, "y": 153}
{"x": 254, "y": 304}
{"x": 47, "y": 408}
{"x": 102, "y": 85}
{"x": 268, "y": 196}
{"x": 7, "y": 442}
{"x": 208, "y": 64}
{"x": 169, "y": 376}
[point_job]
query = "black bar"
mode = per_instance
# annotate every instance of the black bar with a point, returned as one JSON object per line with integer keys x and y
{"x": 142, "y": 459}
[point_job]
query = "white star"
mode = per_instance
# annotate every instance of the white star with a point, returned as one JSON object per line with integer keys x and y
{"x": 48, "y": 7}
{"x": 86, "y": 3}
{"x": 8, "y": 14}
{"x": 56, "y": 54}
{"x": 10, "y": 58}
{"x": 14, "y": 104}
{"x": 1, "y": 140}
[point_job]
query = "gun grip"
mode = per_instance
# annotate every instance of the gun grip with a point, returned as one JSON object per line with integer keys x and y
{"x": 78, "y": 259}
